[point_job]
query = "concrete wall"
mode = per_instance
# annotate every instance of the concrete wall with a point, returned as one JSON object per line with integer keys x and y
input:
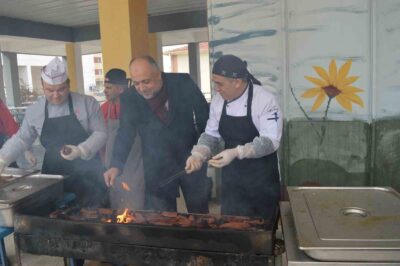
{"x": 283, "y": 40}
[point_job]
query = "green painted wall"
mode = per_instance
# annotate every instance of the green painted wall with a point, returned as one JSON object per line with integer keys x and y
{"x": 386, "y": 171}
{"x": 341, "y": 158}
{"x": 352, "y": 153}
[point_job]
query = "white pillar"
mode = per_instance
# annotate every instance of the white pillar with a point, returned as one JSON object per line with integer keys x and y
{"x": 2, "y": 89}
{"x": 30, "y": 80}
{"x": 11, "y": 79}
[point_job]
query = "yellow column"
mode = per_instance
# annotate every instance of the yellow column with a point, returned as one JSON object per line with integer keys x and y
{"x": 70, "y": 51}
{"x": 124, "y": 31}
{"x": 153, "y": 45}
{"x": 155, "y": 49}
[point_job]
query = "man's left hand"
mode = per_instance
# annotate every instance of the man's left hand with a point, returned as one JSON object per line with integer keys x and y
{"x": 75, "y": 153}
{"x": 223, "y": 158}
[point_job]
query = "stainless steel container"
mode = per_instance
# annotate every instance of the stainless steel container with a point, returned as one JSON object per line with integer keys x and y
{"x": 347, "y": 223}
{"x": 28, "y": 193}
{"x": 10, "y": 174}
{"x": 293, "y": 256}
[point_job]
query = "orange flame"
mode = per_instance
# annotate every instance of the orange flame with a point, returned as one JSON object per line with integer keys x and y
{"x": 125, "y": 186}
{"x": 125, "y": 218}
{"x": 122, "y": 217}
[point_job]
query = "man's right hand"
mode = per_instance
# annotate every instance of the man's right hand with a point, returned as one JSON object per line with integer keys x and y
{"x": 193, "y": 163}
{"x": 110, "y": 175}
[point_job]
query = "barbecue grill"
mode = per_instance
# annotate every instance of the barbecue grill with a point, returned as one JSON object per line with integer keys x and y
{"x": 141, "y": 244}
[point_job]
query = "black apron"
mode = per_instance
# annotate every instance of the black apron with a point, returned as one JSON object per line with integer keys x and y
{"x": 85, "y": 176}
{"x": 250, "y": 187}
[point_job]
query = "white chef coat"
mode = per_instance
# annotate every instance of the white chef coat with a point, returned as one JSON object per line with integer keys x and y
{"x": 265, "y": 113}
{"x": 87, "y": 111}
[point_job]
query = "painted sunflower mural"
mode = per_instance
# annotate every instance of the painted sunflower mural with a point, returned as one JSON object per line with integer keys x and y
{"x": 334, "y": 84}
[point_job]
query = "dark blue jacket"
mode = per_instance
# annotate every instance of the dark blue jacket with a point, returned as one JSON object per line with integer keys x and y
{"x": 165, "y": 146}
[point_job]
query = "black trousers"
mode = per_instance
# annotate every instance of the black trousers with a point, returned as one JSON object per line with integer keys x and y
{"x": 196, "y": 189}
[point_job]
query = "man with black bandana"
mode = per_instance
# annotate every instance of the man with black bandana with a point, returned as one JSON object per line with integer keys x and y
{"x": 163, "y": 108}
{"x": 248, "y": 119}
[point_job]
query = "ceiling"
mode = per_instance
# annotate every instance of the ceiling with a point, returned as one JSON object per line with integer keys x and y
{"x": 80, "y": 13}
{"x": 75, "y": 13}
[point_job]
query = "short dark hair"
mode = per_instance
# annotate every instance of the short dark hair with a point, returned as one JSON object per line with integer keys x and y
{"x": 147, "y": 58}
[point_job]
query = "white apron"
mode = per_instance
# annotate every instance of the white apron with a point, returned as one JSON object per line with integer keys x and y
{"x": 132, "y": 173}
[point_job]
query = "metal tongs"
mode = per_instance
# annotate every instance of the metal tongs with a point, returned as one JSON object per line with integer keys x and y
{"x": 16, "y": 178}
{"x": 29, "y": 174}
{"x": 171, "y": 178}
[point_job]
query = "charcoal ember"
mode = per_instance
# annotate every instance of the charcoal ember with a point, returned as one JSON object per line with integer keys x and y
{"x": 151, "y": 216}
{"x": 211, "y": 220}
{"x": 66, "y": 150}
{"x": 89, "y": 213}
{"x": 78, "y": 218}
{"x": 184, "y": 221}
{"x": 139, "y": 218}
{"x": 56, "y": 214}
{"x": 106, "y": 220}
{"x": 104, "y": 211}
{"x": 230, "y": 218}
{"x": 256, "y": 222}
{"x": 169, "y": 214}
{"x": 205, "y": 221}
{"x": 162, "y": 223}
{"x": 236, "y": 225}
{"x": 157, "y": 219}
{"x": 60, "y": 214}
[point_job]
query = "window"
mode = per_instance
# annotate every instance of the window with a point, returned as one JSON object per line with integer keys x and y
{"x": 176, "y": 59}
{"x": 98, "y": 72}
{"x": 97, "y": 59}
{"x": 99, "y": 83}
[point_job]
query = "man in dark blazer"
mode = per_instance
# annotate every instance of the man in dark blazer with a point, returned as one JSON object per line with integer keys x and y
{"x": 169, "y": 112}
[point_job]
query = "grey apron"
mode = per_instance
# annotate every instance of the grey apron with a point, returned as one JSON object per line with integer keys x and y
{"x": 132, "y": 173}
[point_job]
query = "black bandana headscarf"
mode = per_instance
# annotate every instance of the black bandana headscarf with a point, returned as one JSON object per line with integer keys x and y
{"x": 231, "y": 66}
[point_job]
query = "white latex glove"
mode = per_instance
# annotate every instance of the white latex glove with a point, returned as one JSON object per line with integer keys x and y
{"x": 30, "y": 158}
{"x": 193, "y": 163}
{"x": 223, "y": 158}
{"x": 76, "y": 152}
{"x": 3, "y": 165}
{"x": 110, "y": 175}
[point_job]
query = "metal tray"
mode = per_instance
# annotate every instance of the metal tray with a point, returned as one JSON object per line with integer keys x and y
{"x": 295, "y": 257}
{"x": 27, "y": 193}
{"x": 15, "y": 173}
{"x": 347, "y": 223}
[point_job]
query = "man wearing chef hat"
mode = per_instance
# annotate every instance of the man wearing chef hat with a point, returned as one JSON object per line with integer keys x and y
{"x": 247, "y": 117}
{"x": 71, "y": 129}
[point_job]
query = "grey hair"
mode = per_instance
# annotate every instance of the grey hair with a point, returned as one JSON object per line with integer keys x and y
{"x": 148, "y": 59}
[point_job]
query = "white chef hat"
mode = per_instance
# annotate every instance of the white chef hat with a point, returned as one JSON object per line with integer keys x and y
{"x": 55, "y": 72}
